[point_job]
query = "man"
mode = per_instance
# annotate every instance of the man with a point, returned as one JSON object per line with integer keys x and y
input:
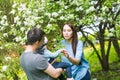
{"x": 35, "y": 65}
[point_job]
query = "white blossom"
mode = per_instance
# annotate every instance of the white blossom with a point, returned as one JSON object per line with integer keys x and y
{"x": 19, "y": 23}
{"x": 66, "y": 7}
{"x": 110, "y": 19}
{"x": 104, "y": 8}
{"x": 49, "y": 25}
{"x": 90, "y": 9}
{"x": 99, "y": 18}
{"x": 4, "y": 68}
{"x": 35, "y": 10}
{"x": 18, "y": 39}
{"x": 2, "y": 22}
{"x": 60, "y": 11}
{"x": 12, "y": 12}
{"x": 48, "y": 14}
{"x": 7, "y": 58}
{"x": 6, "y": 23}
{"x": 77, "y": 19}
{"x": 22, "y": 7}
{"x": 45, "y": 40}
{"x": 28, "y": 11}
{"x": 24, "y": 15}
{"x": 41, "y": 9}
{"x": 14, "y": 5}
{"x": 42, "y": 0}
{"x": 36, "y": 18}
{"x": 110, "y": 34}
{"x": 61, "y": 17}
{"x": 25, "y": 23}
{"x": 111, "y": 30}
{"x": 12, "y": 25}
{"x": 54, "y": 14}
{"x": 22, "y": 29}
{"x": 94, "y": 78}
{"x": 70, "y": 16}
{"x": 31, "y": 22}
{"x": 1, "y": 47}
{"x": 16, "y": 19}
{"x": 5, "y": 34}
{"x": 27, "y": 19}
{"x": 38, "y": 26}
{"x": 97, "y": 23}
{"x": 79, "y": 8}
{"x": 4, "y": 17}
{"x": 52, "y": 19}
{"x": 75, "y": 2}
{"x": 93, "y": 2}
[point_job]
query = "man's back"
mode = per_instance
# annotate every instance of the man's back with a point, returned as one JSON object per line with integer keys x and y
{"x": 34, "y": 65}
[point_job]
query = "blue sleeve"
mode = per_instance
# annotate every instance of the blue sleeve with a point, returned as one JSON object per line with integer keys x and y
{"x": 79, "y": 50}
{"x": 48, "y": 53}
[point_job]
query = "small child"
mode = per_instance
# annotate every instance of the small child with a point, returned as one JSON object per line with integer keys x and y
{"x": 49, "y": 55}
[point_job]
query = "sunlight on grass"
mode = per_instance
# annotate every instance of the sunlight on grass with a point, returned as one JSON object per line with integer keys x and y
{"x": 95, "y": 67}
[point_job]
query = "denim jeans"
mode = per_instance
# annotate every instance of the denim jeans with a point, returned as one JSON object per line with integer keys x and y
{"x": 63, "y": 65}
{"x": 87, "y": 76}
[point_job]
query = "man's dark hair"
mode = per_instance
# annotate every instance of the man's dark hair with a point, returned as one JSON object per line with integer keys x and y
{"x": 34, "y": 35}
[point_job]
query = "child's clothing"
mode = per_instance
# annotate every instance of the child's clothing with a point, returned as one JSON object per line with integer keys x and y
{"x": 64, "y": 65}
{"x": 49, "y": 55}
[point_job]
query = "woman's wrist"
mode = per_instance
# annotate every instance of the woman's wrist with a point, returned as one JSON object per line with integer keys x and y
{"x": 68, "y": 57}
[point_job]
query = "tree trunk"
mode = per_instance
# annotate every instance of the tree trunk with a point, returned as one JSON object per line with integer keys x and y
{"x": 105, "y": 64}
{"x": 116, "y": 45}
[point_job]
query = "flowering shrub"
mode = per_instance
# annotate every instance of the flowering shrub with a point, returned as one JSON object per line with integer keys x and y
{"x": 50, "y": 16}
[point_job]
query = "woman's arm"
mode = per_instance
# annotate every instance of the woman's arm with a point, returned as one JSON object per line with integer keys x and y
{"x": 71, "y": 59}
{"x": 79, "y": 51}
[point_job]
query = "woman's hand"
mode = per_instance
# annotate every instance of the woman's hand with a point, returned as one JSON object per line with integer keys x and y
{"x": 71, "y": 59}
{"x": 65, "y": 53}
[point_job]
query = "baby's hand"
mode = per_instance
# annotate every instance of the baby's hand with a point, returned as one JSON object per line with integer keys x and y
{"x": 62, "y": 50}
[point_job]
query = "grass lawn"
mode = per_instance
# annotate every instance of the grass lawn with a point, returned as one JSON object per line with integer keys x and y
{"x": 95, "y": 67}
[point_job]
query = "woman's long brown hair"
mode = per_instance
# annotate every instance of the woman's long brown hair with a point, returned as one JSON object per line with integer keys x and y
{"x": 74, "y": 37}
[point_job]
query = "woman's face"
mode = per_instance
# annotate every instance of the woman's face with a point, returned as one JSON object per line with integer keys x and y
{"x": 67, "y": 32}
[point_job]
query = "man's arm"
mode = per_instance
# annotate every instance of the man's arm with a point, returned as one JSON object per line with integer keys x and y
{"x": 55, "y": 73}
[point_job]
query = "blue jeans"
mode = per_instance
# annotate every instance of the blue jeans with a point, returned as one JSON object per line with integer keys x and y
{"x": 87, "y": 76}
{"x": 63, "y": 65}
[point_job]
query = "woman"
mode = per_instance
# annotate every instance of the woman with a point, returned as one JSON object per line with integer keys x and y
{"x": 74, "y": 53}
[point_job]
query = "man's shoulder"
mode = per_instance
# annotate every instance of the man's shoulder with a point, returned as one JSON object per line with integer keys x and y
{"x": 31, "y": 54}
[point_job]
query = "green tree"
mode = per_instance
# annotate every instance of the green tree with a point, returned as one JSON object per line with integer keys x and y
{"x": 99, "y": 16}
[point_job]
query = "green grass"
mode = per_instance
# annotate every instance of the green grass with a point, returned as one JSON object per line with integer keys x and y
{"x": 95, "y": 67}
